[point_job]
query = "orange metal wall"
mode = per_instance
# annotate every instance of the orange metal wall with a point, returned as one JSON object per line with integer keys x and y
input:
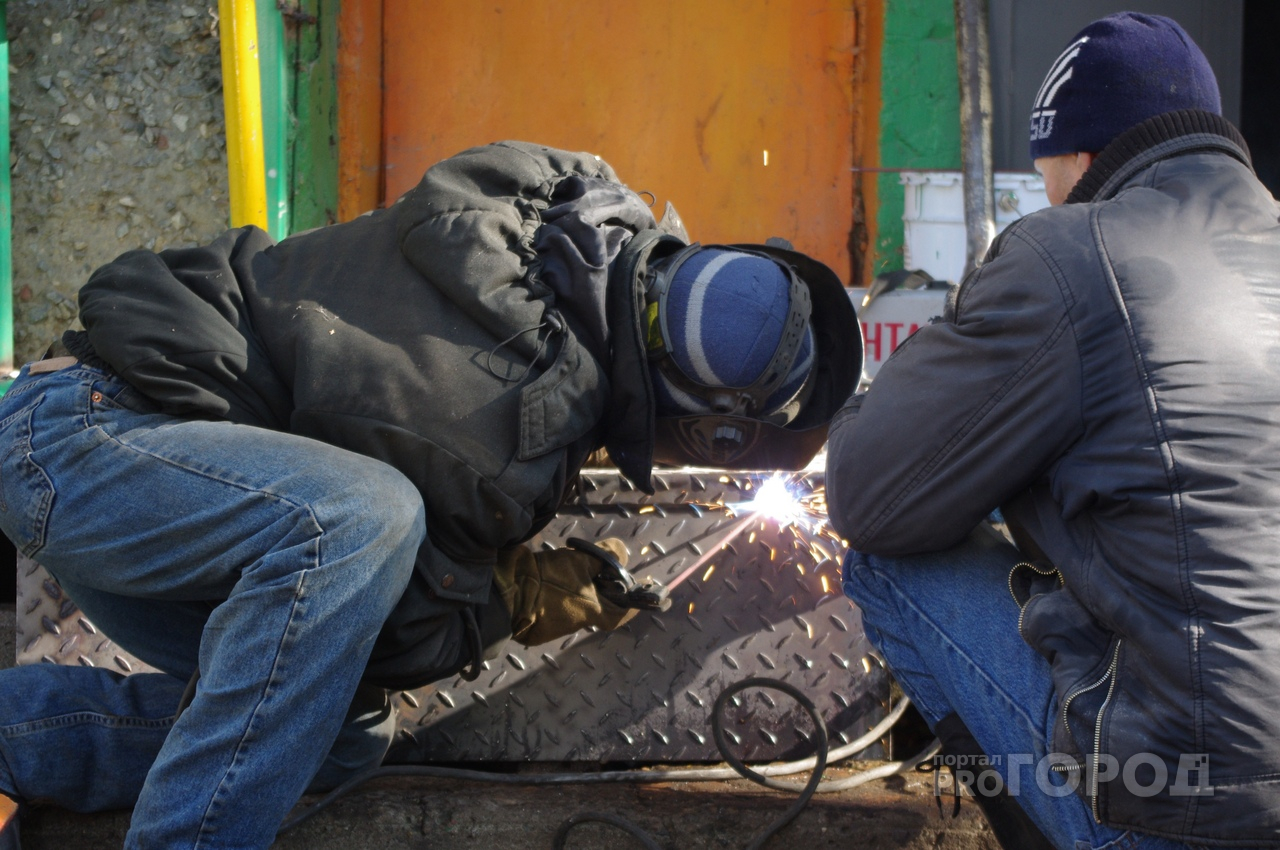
{"x": 741, "y": 112}
{"x": 359, "y": 67}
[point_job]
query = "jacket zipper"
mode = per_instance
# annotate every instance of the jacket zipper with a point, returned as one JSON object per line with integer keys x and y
{"x": 1097, "y": 730}
{"x": 1110, "y": 674}
{"x": 1022, "y": 609}
{"x": 1066, "y": 703}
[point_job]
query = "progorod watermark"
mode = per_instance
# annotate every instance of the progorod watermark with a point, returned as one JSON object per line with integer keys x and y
{"x": 1060, "y": 774}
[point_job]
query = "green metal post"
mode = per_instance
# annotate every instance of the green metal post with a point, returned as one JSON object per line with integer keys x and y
{"x": 274, "y": 72}
{"x": 6, "y": 212}
{"x": 313, "y": 45}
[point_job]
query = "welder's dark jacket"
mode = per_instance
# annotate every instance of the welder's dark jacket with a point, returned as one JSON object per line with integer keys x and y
{"x": 427, "y": 335}
{"x": 1111, "y": 378}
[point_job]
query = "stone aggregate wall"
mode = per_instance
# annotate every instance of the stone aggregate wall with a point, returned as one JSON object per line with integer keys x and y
{"x": 117, "y": 142}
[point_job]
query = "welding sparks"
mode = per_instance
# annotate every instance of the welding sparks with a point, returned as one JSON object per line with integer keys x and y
{"x": 776, "y": 501}
{"x": 733, "y": 532}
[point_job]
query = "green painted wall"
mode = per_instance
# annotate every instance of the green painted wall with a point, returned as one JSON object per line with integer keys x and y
{"x": 920, "y": 108}
{"x": 273, "y": 62}
{"x": 311, "y": 37}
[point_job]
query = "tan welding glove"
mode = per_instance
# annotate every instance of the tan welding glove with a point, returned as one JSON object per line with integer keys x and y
{"x": 552, "y": 594}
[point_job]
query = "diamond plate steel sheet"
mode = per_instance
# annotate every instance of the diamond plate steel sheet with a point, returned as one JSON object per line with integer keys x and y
{"x": 757, "y": 595}
{"x": 764, "y": 600}
{"x": 51, "y": 629}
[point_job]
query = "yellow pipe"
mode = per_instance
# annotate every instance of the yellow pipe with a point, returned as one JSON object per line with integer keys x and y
{"x": 242, "y": 100}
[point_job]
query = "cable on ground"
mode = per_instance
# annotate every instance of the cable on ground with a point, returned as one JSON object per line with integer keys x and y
{"x": 761, "y": 775}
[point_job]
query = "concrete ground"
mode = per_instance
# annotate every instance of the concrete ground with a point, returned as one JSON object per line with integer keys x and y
{"x": 419, "y": 813}
{"x": 413, "y": 813}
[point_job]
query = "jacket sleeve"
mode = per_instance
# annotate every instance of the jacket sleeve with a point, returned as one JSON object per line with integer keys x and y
{"x": 967, "y": 413}
{"x": 175, "y": 326}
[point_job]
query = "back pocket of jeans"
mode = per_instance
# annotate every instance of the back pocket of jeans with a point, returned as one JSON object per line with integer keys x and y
{"x": 26, "y": 493}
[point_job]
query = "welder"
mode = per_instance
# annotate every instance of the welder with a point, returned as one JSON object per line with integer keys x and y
{"x": 296, "y": 475}
{"x": 1108, "y": 379}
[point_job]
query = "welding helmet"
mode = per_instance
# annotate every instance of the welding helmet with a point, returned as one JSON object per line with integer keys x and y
{"x": 751, "y": 349}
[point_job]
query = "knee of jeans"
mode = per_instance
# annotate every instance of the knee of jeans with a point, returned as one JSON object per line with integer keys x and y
{"x": 398, "y": 515}
{"x": 862, "y": 582}
{"x": 383, "y": 510}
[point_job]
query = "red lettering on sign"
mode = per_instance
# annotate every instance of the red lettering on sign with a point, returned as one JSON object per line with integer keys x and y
{"x": 873, "y": 336}
{"x": 870, "y": 339}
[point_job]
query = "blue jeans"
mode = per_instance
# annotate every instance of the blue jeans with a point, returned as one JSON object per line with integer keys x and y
{"x": 947, "y": 626}
{"x": 269, "y": 559}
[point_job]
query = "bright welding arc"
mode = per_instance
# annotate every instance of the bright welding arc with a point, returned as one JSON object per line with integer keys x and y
{"x": 774, "y": 500}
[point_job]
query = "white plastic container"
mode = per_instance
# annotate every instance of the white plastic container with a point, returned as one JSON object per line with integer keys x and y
{"x": 933, "y": 216}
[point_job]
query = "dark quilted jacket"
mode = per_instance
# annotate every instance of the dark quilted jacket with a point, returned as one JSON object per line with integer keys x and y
{"x": 1111, "y": 376}
{"x": 423, "y": 335}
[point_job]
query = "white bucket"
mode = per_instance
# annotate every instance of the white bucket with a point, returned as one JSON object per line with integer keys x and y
{"x": 933, "y": 216}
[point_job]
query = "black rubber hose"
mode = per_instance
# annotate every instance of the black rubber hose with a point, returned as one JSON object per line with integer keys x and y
{"x": 820, "y": 732}
{"x": 722, "y": 744}
{"x": 604, "y": 817}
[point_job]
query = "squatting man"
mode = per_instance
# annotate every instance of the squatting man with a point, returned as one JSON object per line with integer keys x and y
{"x": 1108, "y": 379}
{"x": 300, "y": 474}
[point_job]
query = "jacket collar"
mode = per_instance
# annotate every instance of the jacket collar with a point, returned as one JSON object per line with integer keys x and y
{"x": 1157, "y": 138}
{"x": 630, "y": 424}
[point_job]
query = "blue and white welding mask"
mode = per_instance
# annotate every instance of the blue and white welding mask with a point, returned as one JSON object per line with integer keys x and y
{"x": 752, "y": 349}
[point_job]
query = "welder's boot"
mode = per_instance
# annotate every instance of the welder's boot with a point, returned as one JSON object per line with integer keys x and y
{"x": 1013, "y": 828}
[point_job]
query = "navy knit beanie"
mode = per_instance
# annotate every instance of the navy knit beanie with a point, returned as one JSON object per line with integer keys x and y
{"x": 1117, "y": 72}
{"x": 726, "y": 312}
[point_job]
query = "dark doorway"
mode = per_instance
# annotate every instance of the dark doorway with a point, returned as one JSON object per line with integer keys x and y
{"x": 1259, "y": 117}
{"x": 1026, "y": 36}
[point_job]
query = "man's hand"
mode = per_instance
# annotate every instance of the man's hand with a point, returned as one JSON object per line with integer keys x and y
{"x": 554, "y": 593}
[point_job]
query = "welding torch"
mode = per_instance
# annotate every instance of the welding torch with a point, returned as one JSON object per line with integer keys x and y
{"x": 614, "y": 583}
